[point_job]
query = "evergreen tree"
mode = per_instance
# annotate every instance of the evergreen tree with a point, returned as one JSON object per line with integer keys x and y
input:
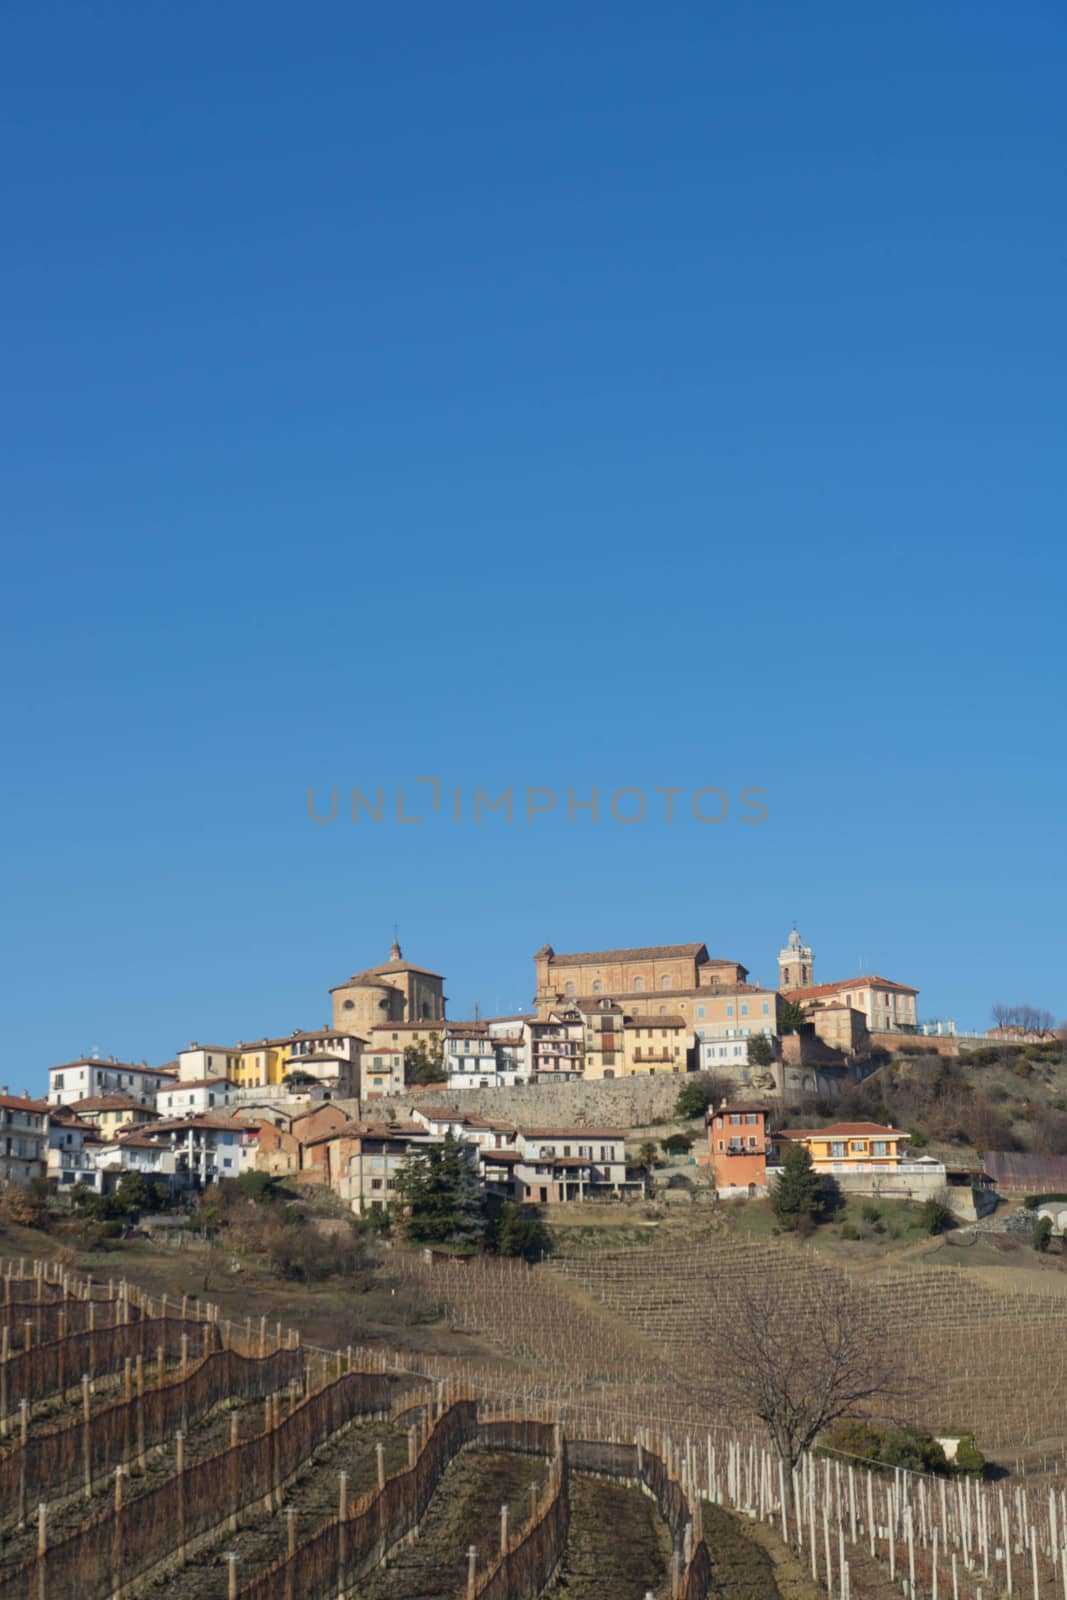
{"x": 791, "y": 1016}
{"x": 760, "y": 1051}
{"x": 797, "y": 1190}
{"x": 442, "y": 1191}
{"x": 520, "y": 1231}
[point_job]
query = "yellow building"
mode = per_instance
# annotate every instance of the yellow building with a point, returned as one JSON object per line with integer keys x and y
{"x": 656, "y": 1044}
{"x": 847, "y": 1147}
{"x": 110, "y": 1112}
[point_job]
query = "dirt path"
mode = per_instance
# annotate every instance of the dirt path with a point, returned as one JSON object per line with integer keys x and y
{"x": 618, "y": 1547}
{"x": 464, "y": 1511}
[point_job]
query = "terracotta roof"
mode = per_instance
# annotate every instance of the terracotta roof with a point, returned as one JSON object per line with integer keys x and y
{"x": 214, "y": 1049}
{"x": 194, "y": 1083}
{"x": 573, "y": 1133}
{"x": 725, "y": 1111}
{"x": 655, "y": 1022}
{"x": 384, "y": 969}
{"x": 109, "y": 1102}
{"x": 115, "y": 1066}
{"x": 707, "y": 991}
{"x": 870, "y": 980}
{"x": 655, "y": 952}
{"x": 843, "y": 1130}
{"x": 17, "y": 1102}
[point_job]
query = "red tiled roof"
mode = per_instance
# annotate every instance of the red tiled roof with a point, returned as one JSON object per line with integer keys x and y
{"x": 109, "y": 1102}
{"x": 871, "y": 980}
{"x": 655, "y": 952}
{"x": 573, "y": 1133}
{"x": 843, "y": 1130}
{"x": 15, "y": 1102}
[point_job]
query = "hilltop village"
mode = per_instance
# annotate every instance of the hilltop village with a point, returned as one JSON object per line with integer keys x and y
{"x": 547, "y": 1098}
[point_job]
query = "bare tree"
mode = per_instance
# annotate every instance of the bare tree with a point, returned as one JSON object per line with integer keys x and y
{"x": 1027, "y": 1019}
{"x": 800, "y": 1363}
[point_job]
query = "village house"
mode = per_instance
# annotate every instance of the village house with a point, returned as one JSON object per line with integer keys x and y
{"x": 561, "y": 1164}
{"x": 108, "y": 1113}
{"x": 72, "y": 1147}
{"x": 469, "y": 1060}
{"x": 739, "y": 1148}
{"x": 381, "y": 1071}
{"x": 88, "y": 1077}
{"x": 23, "y": 1138}
{"x": 511, "y": 1044}
{"x": 206, "y": 1147}
{"x": 886, "y": 1007}
{"x": 134, "y": 1152}
{"x": 202, "y": 1061}
{"x": 557, "y": 1047}
{"x": 191, "y": 1095}
{"x": 362, "y": 1161}
{"x": 655, "y": 1044}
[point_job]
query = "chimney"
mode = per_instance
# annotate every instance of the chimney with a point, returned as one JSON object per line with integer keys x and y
{"x": 3, "y": 1089}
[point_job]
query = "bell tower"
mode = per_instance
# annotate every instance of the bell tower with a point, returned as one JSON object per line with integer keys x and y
{"x": 796, "y": 965}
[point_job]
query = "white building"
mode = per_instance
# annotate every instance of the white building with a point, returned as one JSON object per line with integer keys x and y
{"x": 23, "y": 1138}
{"x": 88, "y": 1077}
{"x": 191, "y": 1096}
{"x": 72, "y": 1152}
{"x": 202, "y": 1061}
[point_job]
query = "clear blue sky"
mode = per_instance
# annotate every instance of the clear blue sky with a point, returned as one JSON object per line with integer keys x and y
{"x": 535, "y": 395}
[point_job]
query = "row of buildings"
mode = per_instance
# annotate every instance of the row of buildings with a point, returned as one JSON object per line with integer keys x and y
{"x": 596, "y": 1015}
{"x": 745, "y": 1149}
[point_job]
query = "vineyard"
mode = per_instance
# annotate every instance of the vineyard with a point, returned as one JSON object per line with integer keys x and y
{"x": 578, "y": 1457}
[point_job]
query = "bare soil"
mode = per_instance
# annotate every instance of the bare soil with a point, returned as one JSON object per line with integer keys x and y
{"x": 618, "y": 1549}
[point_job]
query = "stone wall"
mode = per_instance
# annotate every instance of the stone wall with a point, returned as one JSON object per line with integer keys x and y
{"x": 611, "y": 1102}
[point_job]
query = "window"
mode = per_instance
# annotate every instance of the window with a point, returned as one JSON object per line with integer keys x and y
{"x": 568, "y": 989}
{"x": 837, "y": 1148}
{"x": 598, "y": 987}
{"x": 729, "y": 1011}
{"x": 880, "y": 1147}
{"x": 700, "y": 1011}
{"x": 744, "y": 1009}
{"x": 666, "y": 983}
{"x": 349, "y": 1005}
{"x": 766, "y": 1008}
{"x": 639, "y": 986}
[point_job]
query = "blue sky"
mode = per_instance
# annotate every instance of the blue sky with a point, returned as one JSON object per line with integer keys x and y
{"x": 536, "y": 396}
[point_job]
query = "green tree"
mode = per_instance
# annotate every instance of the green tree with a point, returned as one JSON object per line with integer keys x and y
{"x": 424, "y": 1061}
{"x": 1042, "y": 1234}
{"x": 791, "y": 1016}
{"x": 760, "y": 1051}
{"x": 647, "y": 1154}
{"x": 933, "y": 1216}
{"x": 133, "y": 1194}
{"x": 442, "y": 1193}
{"x": 520, "y": 1230}
{"x": 797, "y": 1190}
{"x": 677, "y": 1144}
{"x": 691, "y": 1101}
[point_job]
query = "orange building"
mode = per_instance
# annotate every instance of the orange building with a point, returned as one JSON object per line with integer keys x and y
{"x": 738, "y": 1148}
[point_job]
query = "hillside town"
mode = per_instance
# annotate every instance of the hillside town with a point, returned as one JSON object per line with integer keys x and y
{"x": 348, "y": 1104}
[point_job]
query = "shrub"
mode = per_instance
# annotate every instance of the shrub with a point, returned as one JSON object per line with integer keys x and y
{"x": 677, "y": 1144}
{"x": 870, "y": 1212}
{"x": 968, "y": 1457}
{"x": 1042, "y": 1234}
{"x": 1031, "y": 1202}
{"x": 886, "y": 1445}
{"x": 933, "y": 1216}
{"x": 848, "y": 1231}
